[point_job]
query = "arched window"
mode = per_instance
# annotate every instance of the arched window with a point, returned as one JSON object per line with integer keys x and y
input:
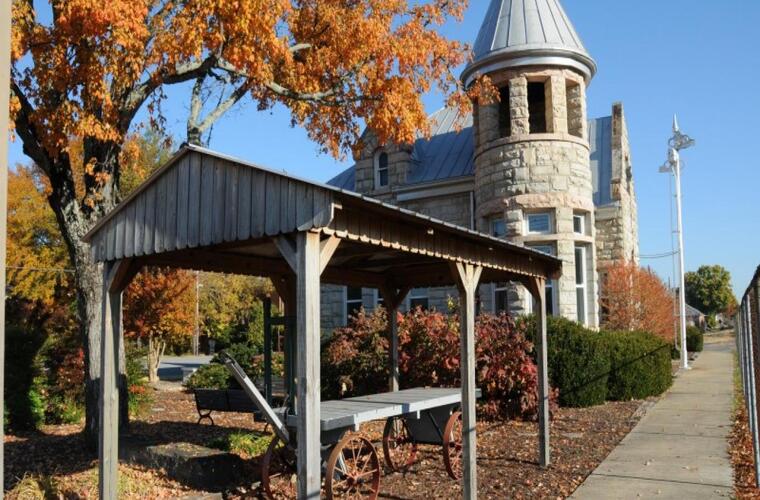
{"x": 381, "y": 169}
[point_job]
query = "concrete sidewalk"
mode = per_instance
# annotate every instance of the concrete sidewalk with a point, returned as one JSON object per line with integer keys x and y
{"x": 679, "y": 449}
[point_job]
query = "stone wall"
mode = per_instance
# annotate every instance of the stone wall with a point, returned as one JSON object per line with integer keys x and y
{"x": 617, "y": 222}
{"x": 546, "y": 172}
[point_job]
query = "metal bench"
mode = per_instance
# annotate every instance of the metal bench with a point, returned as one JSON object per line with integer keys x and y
{"x": 222, "y": 400}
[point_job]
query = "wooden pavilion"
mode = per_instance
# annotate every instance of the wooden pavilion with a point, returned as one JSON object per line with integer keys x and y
{"x": 209, "y": 212}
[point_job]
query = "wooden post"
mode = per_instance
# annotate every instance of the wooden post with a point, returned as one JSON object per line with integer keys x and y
{"x": 392, "y": 298}
{"x": 308, "y": 313}
{"x": 5, "y": 76}
{"x": 286, "y": 289}
{"x": 308, "y": 257}
{"x": 268, "y": 350}
{"x": 116, "y": 277}
{"x": 537, "y": 288}
{"x": 468, "y": 276}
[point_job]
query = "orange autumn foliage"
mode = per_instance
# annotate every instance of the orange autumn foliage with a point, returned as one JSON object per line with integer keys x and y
{"x": 159, "y": 309}
{"x": 634, "y": 298}
{"x": 334, "y": 63}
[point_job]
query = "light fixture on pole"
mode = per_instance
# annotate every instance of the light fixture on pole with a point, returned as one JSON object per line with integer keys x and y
{"x": 679, "y": 142}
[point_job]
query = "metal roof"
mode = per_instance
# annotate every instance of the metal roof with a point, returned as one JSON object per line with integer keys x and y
{"x": 519, "y": 33}
{"x": 449, "y": 154}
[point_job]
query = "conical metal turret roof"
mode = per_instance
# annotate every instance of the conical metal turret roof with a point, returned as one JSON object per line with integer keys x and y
{"x": 519, "y": 33}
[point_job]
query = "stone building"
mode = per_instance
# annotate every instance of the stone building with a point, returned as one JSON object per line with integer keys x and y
{"x": 531, "y": 168}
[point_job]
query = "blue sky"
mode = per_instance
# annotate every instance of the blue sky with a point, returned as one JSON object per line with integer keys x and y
{"x": 697, "y": 58}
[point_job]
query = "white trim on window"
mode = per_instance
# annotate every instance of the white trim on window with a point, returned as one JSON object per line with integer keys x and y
{"x": 377, "y": 299}
{"x": 539, "y": 223}
{"x": 381, "y": 169}
{"x": 581, "y": 289}
{"x": 497, "y": 289}
{"x": 579, "y": 224}
{"x": 552, "y": 301}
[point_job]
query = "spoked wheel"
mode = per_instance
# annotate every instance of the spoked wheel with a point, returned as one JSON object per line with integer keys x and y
{"x": 452, "y": 446}
{"x": 278, "y": 471}
{"x": 399, "y": 447}
{"x": 353, "y": 469}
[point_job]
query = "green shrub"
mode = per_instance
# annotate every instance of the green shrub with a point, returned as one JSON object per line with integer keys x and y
{"x": 244, "y": 354}
{"x": 24, "y": 383}
{"x": 139, "y": 392}
{"x": 695, "y": 339}
{"x": 211, "y": 376}
{"x": 579, "y": 363}
{"x": 640, "y": 365}
{"x": 246, "y": 444}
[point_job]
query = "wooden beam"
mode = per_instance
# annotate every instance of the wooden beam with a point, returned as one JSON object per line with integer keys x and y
{"x": 308, "y": 269}
{"x": 287, "y": 249}
{"x": 114, "y": 281}
{"x": 468, "y": 277}
{"x": 537, "y": 288}
{"x": 327, "y": 248}
{"x": 392, "y": 298}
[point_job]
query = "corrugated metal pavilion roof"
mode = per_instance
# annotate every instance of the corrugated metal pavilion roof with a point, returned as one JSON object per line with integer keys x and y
{"x": 526, "y": 33}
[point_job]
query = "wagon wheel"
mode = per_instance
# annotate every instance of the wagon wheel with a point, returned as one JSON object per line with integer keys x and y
{"x": 399, "y": 446}
{"x": 452, "y": 446}
{"x": 353, "y": 469}
{"x": 278, "y": 471}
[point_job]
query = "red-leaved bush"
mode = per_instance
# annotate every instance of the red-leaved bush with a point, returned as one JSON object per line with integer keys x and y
{"x": 355, "y": 360}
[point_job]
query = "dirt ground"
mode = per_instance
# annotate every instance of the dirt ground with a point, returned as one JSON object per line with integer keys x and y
{"x": 507, "y": 467}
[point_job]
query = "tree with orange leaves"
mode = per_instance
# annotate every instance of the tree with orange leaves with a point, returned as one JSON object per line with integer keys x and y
{"x": 633, "y": 298}
{"x": 335, "y": 64}
{"x": 159, "y": 309}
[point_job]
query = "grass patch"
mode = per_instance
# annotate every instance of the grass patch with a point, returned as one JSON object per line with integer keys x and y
{"x": 245, "y": 444}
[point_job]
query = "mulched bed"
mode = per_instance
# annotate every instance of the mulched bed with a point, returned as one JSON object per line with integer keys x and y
{"x": 507, "y": 467}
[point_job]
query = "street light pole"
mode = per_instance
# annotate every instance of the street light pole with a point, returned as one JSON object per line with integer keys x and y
{"x": 677, "y": 143}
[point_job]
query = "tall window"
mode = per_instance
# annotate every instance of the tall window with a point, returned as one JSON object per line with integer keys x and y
{"x": 505, "y": 113}
{"x": 381, "y": 169}
{"x": 551, "y": 298}
{"x": 539, "y": 223}
{"x": 500, "y": 298}
{"x": 353, "y": 301}
{"x": 418, "y": 297}
{"x": 537, "y": 107}
{"x": 579, "y": 224}
{"x": 580, "y": 284}
{"x": 498, "y": 227}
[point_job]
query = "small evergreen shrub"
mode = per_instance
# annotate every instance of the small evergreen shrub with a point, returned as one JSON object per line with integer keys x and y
{"x": 139, "y": 393}
{"x": 640, "y": 365}
{"x": 246, "y": 444}
{"x": 211, "y": 376}
{"x": 24, "y": 382}
{"x": 695, "y": 339}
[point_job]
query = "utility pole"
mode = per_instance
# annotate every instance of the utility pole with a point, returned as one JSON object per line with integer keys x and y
{"x": 5, "y": 85}
{"x": 197, "y": 332}
{"x": 677, "y": 143}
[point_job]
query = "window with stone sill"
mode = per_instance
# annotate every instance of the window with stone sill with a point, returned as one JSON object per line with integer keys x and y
{"x": 551, "y": 285}
{"x": 537, "y": 107}
{"x": 381, "y": 169}
{"x": 498, "y": 227}
{"x": 579, "y": 224}
{"x": 539, "y": 223}
{"x": 418, "y": 297}
{"x": 505, "y": 113}
{"x": 354, "y": 302}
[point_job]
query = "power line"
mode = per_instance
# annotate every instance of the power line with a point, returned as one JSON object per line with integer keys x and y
{"x": 659, "y": 255}
{"x": 42, "y": 269}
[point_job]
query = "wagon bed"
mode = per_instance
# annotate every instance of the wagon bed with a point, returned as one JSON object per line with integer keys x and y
{"x": 352, "y": 412}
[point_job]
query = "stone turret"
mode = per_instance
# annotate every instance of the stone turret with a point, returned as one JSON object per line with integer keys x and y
{"x": 533, "y": 181}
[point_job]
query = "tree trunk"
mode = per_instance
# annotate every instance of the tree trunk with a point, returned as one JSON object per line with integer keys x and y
{"x": 74, "y": 224}
{"x": 155, "y": 351}
{"x": 89, "y": 286}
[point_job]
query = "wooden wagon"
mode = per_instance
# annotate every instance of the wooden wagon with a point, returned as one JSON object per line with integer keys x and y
{"x": 351, "y": 463}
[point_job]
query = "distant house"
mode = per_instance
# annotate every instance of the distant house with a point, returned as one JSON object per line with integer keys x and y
{"x": 695, "y": 317}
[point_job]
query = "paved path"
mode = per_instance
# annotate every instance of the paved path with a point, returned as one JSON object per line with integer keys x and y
{"x": 679, "y": 448}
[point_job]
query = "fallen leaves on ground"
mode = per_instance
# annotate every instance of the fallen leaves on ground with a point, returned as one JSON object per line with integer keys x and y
{"x": 507, "y": 454}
